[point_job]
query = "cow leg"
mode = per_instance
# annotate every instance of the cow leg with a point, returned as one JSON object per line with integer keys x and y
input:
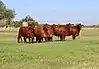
{"x": 61, "y": 38}
{"x": 51, "y": 38}
{"x": 39, "y": 39}
{"x": 46, "y": 39}
{"x": 42, "y": 39}
{"x": 24, "y": 39}
{"x": 73, "y": 36}
{"x": 18, "y": 38}
{"x": 36, "y": 39}
{"x": 21, "y": 39}
{"x": 29, "y": 40}
{"x": 32, "y": 39}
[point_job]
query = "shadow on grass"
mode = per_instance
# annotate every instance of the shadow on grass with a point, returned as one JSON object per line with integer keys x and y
{"x": 63, "y": 40}
{"x": 34, "y": 42}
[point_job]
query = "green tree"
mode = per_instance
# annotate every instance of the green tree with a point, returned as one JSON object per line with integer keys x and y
{"x": 6, "y": 14}
{"x": 30, "y": 20}
{"x": 2, "y": 9}
{"x": 9, "y": 15}
{"x": 27, "y": 18}
{"x": 16, "y": 24}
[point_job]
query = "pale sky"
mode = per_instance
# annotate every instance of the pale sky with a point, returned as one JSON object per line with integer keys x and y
{"x": 57, "y": 11}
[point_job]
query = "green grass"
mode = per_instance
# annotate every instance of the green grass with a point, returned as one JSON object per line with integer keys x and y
{"x": 70, "y": 54}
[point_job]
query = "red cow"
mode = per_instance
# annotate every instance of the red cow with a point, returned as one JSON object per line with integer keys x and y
{"x": 75, "y": 30}
{"x": 49, "y": 31}
{"x": 61, "y": 30}
{"x": 40, "y": 34}
{"x": 25, "y": 32}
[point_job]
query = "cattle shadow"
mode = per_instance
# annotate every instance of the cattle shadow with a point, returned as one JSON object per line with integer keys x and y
{"x": 62, "y": 40}
{"x": 34, "y": 42}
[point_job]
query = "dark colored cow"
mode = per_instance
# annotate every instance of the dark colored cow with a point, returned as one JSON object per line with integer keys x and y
{"x": 25, "y": 32}
{"x": 75, "y": 30}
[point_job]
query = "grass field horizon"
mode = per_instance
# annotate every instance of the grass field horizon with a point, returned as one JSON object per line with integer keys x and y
{"x": 81, "y": 53}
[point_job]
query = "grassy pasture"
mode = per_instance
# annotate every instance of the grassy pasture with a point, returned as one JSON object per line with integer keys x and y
{"x": 81, "y": 53}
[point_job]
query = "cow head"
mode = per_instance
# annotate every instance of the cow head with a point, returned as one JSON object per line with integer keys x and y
{"x": 79, "y": 26}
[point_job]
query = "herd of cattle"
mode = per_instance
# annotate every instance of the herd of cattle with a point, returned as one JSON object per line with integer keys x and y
{"x": 46, "y": 32}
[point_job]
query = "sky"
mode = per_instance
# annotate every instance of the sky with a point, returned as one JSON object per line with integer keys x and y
{"x": 57, "y": 11}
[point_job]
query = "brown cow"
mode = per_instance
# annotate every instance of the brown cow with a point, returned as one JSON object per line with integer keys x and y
{"x": 50, "y": 34}
{"x": 49, "y": 31}
{"x": 25, "y": 32}
{"x": 75, "y": 30}
{"x": 40, "y": 34}
{"x": 61, "y": 30}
